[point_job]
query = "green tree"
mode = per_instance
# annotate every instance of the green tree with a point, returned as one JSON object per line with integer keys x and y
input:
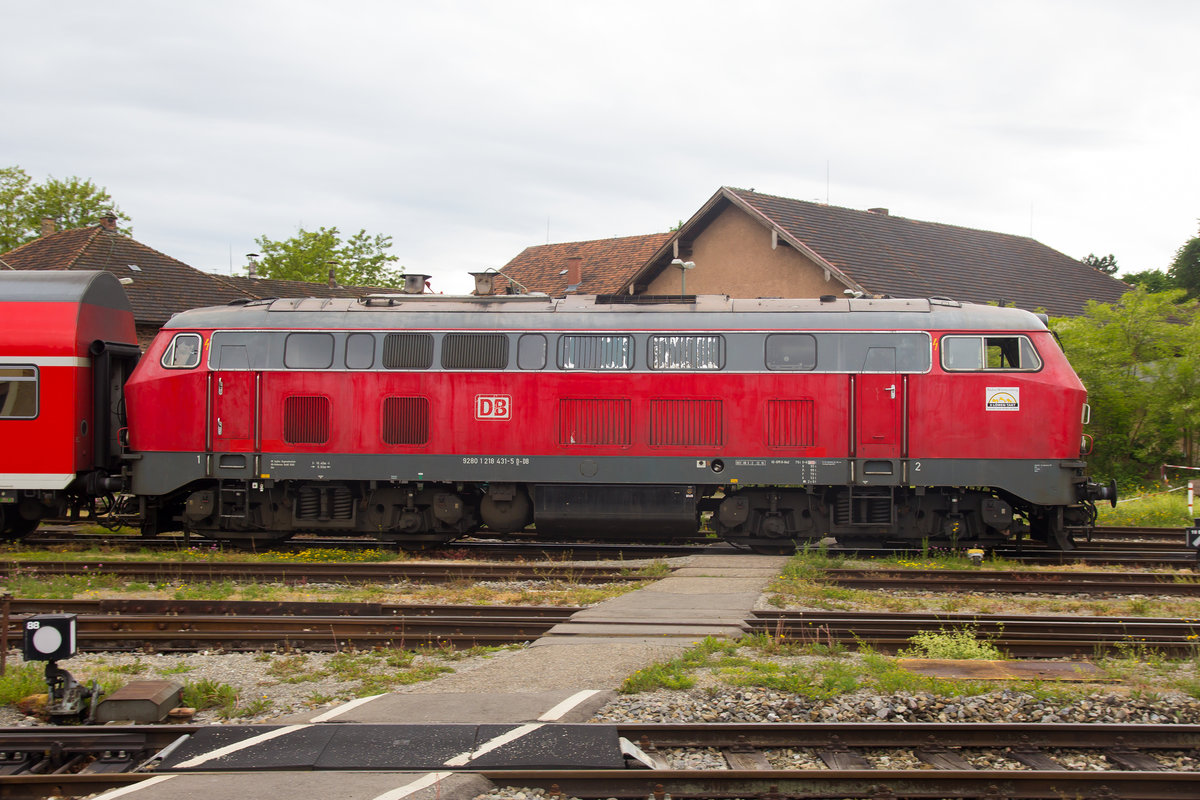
{"x": 73, "y": 203}
{"x": 1185, "y": 269}
{"x": 360, "y": 260}
{"x": 1106, "y": 264}
{"x": 1152, "y": 280}
{"x": 1138, "y": 360}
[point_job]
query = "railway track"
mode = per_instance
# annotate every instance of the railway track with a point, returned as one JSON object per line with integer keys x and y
{"x": 192, "y": 625}
{"x": 347, "y": 572}
{"x": 1019, "y": 636}
{"x": 1008, "y": 581}
{"x": 186, "y": 626}
{"x": 882, "y": 761}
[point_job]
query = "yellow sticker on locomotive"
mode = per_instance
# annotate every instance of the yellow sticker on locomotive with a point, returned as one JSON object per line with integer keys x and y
{"x": 1003, "y": 398}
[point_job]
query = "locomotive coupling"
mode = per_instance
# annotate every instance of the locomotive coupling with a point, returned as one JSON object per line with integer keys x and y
{"x": 1090, "y": 490}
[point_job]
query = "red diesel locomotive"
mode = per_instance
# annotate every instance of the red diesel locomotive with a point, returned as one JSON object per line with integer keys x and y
{"x": 421, "y": 418}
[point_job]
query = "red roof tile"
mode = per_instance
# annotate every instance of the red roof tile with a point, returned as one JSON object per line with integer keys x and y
{"x": 605, "y": 265}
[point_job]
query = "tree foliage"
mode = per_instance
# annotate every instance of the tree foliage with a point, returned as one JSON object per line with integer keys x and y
{"x": 73, "y": 203}
{"x": 1140, "y": 361}
{"x": 1185, "y": 269}
{"x": 360, "y": 260}
{"x": 1152, "y": 280}
{"x": 1106, "y": 264}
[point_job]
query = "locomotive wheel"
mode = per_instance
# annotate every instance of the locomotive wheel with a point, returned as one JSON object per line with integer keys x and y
{"x": 13, "y": 526}
{"x": 248, "y": 540}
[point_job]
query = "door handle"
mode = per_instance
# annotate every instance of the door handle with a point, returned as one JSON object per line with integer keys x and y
{"x": 220, "y": 427}
{"x": 891, "y": 390}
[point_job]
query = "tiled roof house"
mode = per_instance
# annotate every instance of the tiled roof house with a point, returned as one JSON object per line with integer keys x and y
{"x": 158, "y": 285}
{"x": 747, "y": 244}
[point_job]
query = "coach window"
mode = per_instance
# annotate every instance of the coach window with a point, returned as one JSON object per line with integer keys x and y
{"x": 18, "y": 392}
{"x": 183, "y": 352}
{"x": 308, "y": 351}
{"x": 595, "y": 352}
{"x": 531, "y": 351}
{"x": 687, "y": 352}
{"x": 791, "y": 351}
{"x": 360, "y": 350}
{"x": 989, "y": 353}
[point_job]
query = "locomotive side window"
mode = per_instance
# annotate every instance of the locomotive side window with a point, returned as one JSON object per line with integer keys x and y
{"x": 183, "y": 352}
{"x": 687, "y": 352}
{"x": 531, "y": 351}
{"x": 360, "y": 351}
{"x": 474, "y": 351}
{"x": 595, "y": 352}
{"x": 308, "y": 351}
{"x": 989, "y": 353}
{"x": 18, "y": 392}
{"x": 408, "y": 351}
{"x": 791, "y": 351}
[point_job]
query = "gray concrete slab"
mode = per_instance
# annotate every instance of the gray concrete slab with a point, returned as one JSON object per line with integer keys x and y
{"x": 308, "y": 784}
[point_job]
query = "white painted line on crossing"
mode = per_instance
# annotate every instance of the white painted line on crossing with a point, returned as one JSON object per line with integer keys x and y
{"x": 566, "y": 705}
{"x": 204, "y": 758}
{"x": 133, "y": 787}
{"x": 343, "y": 708}
{"x": 412, "y": 788}
{"x": 516, "y": 733}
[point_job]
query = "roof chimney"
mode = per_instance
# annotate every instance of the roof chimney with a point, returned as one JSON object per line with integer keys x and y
{"x": 333, "y": 276}
{"x": 47, "y": 226}
{"x": 109, "y": 221}
{"x": 574, "y": 272}
{"x": 883, "y": 212}
{"x": 252, "y": 270}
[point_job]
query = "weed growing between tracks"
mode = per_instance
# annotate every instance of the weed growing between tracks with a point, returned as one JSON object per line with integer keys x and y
{"x": 1148, "y": 507}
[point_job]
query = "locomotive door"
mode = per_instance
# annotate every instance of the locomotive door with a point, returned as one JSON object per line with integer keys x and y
{"x": 233, "y": 401}
{"x": 879, "y": 423}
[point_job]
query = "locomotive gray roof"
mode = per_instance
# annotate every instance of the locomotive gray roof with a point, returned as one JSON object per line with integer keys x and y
{"x": 522, "y": 312}
{"x": 93, "y": 287}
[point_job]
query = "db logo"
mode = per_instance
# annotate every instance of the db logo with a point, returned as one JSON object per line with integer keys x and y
{"x": 493, "y": 406}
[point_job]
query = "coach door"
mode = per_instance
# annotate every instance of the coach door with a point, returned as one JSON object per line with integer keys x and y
{"x": 233, "y": 400}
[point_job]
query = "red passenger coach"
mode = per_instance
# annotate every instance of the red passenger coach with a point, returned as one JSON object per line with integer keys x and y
{"x": 421, "y": 418}
{"x": 67, "y": 345}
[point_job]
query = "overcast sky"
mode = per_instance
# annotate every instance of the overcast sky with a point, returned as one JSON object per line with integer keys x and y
{"x": 470, "y": 130}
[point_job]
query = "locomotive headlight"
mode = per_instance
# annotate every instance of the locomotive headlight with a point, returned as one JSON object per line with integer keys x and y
{"x": 49, "y": 637}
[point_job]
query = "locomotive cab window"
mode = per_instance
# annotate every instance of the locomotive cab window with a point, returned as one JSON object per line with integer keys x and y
{"x": 183, "y": 352}
{"x": 989, "y": 353}
{"x": 597, "y": 352}
{"x": 687, "y": 352}
{"x": 18, "y": 392}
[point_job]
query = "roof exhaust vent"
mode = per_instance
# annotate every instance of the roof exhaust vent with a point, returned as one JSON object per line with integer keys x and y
{"x": 883, "y": 212}
{"x": 485, "y": 283}
{"x": 415, "y": 283}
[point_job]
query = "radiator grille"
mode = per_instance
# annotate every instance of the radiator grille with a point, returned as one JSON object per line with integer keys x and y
{"x": 405, "y": 420}
{"x": 790, "y": 423}
{"x": 593, "y": 422}
{"x": 407, "y": 351}
{"x": 686, "y": 422}
{"x": 306, "y": 420}
{"x": 474, "y": 351}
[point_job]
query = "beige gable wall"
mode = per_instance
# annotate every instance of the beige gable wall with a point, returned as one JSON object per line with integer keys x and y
{"x": 733, "y": 256}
